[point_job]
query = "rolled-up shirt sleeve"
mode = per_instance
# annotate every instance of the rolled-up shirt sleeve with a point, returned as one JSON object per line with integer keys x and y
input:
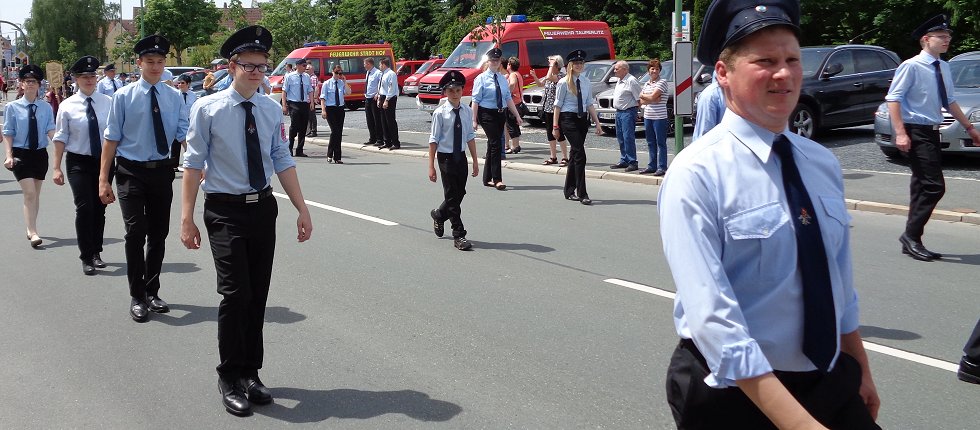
{"x": 902, "y": 81}
{"x": 436, "y": 135}
{"x": 692, "y": 237}
{"x": 281, "y": 160}
{"x": 62, "y": 132}
{"x": 114, "y": 123}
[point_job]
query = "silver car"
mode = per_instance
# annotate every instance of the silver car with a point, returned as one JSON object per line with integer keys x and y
{"x": 599, "y": 73}
{"x": 953, "y": 138}
{"x": 607, "y": 115}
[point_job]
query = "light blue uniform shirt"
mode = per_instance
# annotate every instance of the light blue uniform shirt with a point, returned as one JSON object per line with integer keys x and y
{"x": 72, "y": 121}
{"x": 105, "y": 86}
{"x": 484, "y": 92}
{"x": 216, "y": 141}
{"x": 17, "y": 122}
{"x": 373, "y": 79}
{"x": 711, "y": 108}
{"x": 131, "y": 120}
{"x": 223, "y": 84}
{"x": 565, "y": 101}
{"x": 730, "y": 242}
{"x": 915, "y": 87}
{"x": 327, "y": 91}
{"x": 389, "y": 84}
{"x": 291, "y": 84}
{"x": 443, "y": 120}
{"x": 188, "y": 99}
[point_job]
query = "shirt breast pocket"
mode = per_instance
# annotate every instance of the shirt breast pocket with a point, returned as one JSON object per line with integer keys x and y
{"x": 754, "y": 247}
{"x": 837, "y": 220}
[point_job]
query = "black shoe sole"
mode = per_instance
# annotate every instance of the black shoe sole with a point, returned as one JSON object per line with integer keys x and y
{"x": 967, "y": 377}
{"x": 138, "y": 319}
{"x": 907, "y": 251}
{"x": 160, "y": 310}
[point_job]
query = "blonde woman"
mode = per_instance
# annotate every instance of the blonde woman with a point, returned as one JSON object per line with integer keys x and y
{"x": 550, "y": 83}
{"x": 572, "y": 109}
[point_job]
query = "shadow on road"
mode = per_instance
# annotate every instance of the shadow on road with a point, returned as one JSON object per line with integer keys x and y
{"x": 57, "y": 242}
{"x": 512, "y": 246}
{"x": 868, "y": 331}
{"x": 971, "y": 259}
{"x": 186, "y": 315}
{"x": 319, "y": 405}
{"x": 623, "y": 202}
{"x": 534, "y": 187}
{"x": 10, "y": 192}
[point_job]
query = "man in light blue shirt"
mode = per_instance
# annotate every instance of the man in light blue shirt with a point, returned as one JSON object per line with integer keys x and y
{"x": 297, "y": 102}
{"x": 711, "y": 107}
{"x": 372, "y": 114}
{"x": 756, "y": 234}
{"x": 388, "y": 102}
{"x": 144, "y": 119}
{"x": 109, "y": 84}
{"x": 238, "y": 136}
{"x": 922, "y": 87}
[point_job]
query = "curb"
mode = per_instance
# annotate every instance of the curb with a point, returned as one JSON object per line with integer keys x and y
{"x": 856, "y": 205}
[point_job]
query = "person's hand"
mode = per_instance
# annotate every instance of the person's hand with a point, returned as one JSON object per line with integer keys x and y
{"x": 902, "y": 142}
{"x": 869, "y": 393}
{"x": 285, "y": 110}
{"x": 304, "y": 226}
{"x": 598, "y": 131}
{"x": 432, "y": 173}
{"x": 975, "y": 135}
{"x": 106, "y": 194}
{"x": 476, "y": 169}
{"x": 475, "y": 124}
{"x": 323, "y": 113}
{"x": 8, "y": 163}
{"x": 385, "y": 106}
{"x": 520, "y": 121}
{"x": 190, "y": 236}
{"x": 534, "y": 75}
{"x": 58, "y": 177}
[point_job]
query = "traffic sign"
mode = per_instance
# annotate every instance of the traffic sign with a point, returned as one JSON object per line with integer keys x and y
{"x": 683, "y": 83}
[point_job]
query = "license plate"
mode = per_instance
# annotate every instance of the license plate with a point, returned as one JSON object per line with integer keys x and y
{"x": 607, "y": 116}
{"x": 532, "y": 108}
{"x": 428, "y": 107}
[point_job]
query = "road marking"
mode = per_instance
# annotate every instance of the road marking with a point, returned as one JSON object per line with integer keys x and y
{"x": 906, "y": 174}
{"x": 882, "y": 349}
{"x": 343, "y": 211}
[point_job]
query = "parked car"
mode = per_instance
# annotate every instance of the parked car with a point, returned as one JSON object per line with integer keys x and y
{"x": 406, "y": 68}
{"x": 599, "y": 73}
{"x": 197, "y": 80}
{"x": 177, "y": 71}
{"x": 965, "y": 69}
{"x": 604, "y": 100}
{"x": 411, "y": 86}
{"x": 842, "y": 86}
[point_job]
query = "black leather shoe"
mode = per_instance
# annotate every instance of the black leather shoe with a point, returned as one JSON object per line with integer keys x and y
{"x": 394, "y": 147}
{"x": 158, "y": 305}
{"x": 619, "y": 166}
{"x": 572, "y": 197}
{"x": 88, "y": 268}
{"x": 379, "y": 145}
{"x": 439, "y": 227}
{"x": 138, "y": 310}
{"x": 914, "y": 248}
{"x": 968, "y": 372}
{"x": 233, "y": 397}
{"x": 632, "y": 168}
{"x": 97, "y": 261}
{"x": 462, "y": 244}
{"x": 300, "y": 154}
{"x": 338, "y": 162}
{"x": 587, "y": 201}
{"x": 256, "y": 390}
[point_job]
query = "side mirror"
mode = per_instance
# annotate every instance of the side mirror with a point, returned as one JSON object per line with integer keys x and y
{"x": 832, "y": 70}
{"x": 704, "y": 78}
{"x": 613, "y": 80}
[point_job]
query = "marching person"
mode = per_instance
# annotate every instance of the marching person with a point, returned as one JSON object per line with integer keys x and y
{"x": 314, "y": 83}
{"x": 550, "y": 83}
{"x": 449, "y": 131}
{"x": 491, "y": 96}
{"x": 969, "y": 370}
{"x": 108, "y": 85}
{"x": 26, "y": 121}
{"x": 80, "y": 125}
{"x": 144, "y": 119}
{"x": 711, "y": 107}
{"x": 573, "y": 108}
{"x": 297, "y": 101}
{"x": 332, "y": 94}
{"x": 922, "y": 87}
{"x": 184, "y": 85}
{"x": 755, "y": 231}
{"x": 388, "y": 103}
{"x": 626, "y": 99}
{"x": 239, "y": 209}
{"x": 372, "y": 114}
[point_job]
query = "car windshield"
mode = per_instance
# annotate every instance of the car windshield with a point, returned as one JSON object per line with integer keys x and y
{"x": 966, "y": 73}
{"x": 425, "y": 66}
{"x": 812, "y": 58}
{"x": 467, "y": 55}
{"x": 281, "y": 68}
{"x": 595, "y": 71}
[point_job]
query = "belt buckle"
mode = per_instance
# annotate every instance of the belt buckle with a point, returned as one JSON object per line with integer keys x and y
{"x": 251, "y": 198}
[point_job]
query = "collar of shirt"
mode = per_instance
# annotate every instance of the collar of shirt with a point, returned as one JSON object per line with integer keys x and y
{"x": 925, "y": 58}
{"x": 145, "y": 86}
{"x": 756, "y": 138}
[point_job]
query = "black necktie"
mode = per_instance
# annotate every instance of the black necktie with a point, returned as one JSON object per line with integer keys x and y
{"x": 114, "y": 87}
{"x": 457, "y": 136}
{"x": 185, "y": 98}
{"x": 256, "y": 173}
{"x": 819, "y": 318}
{"x": 500, "y": 97}
{"x": 32, "y": 134}
{"x": 578, "y": 96}
{"x": 95, "y": 143}
{"x": 942, "y": 85}
{"x": 302, "y": 94}
{"x": 336, "y": 92}
{"x": 158, "y": 133}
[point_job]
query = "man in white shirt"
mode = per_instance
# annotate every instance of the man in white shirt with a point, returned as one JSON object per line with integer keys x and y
{"x": 626, "y": 100}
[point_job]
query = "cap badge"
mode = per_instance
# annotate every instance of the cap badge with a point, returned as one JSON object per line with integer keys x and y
{"x": 257, "y": 41}
{"x": 805, "y": 217}
{"x": 761, "y": 9}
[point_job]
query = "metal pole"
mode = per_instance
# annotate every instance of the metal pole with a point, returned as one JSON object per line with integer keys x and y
{"x": 678, "y": 120}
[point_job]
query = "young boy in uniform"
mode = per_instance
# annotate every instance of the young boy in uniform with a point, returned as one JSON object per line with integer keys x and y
{"x": 449, "y": 132}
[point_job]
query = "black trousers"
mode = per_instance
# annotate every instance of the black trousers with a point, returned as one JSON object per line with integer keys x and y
{"x": 372, "y": 114}
{"x": 311, "y": 128}
{"x": 832, "y": 398}
{"x": 388, "y": 124}
{"x": 927, "y": 185}
{"x": 145, "y": 197}
{"x": 492, "y": 122}
{"x": 972, "y": 348}
{"x": 83, "y": 178}
{"x": 574, "y": 129}
{"x": 299, "y": 118}
{"x": 243, "y": 243}
{"x": 335, "y": 119}
{"x": 513, "y": 130}
{"x": 454, "y": 174}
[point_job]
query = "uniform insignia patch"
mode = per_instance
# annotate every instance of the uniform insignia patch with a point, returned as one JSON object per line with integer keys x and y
{"x": 805, "y": 217}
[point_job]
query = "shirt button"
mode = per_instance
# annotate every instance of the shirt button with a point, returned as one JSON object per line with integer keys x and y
{"x": 765, "y": 231}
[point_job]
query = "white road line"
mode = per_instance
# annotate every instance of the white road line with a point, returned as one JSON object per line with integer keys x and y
{"x": 887, "y": 350}
{"x": 343, "y": 211}
{"x": 906, "y": 174}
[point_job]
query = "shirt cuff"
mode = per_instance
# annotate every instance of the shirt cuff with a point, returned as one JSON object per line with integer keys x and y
{"x": 741, "y": 360}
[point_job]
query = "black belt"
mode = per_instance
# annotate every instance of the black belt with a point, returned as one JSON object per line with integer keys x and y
{"x": 168, "y": 163}
{"x": 299, "y": 103}
{"x": 239, "y": 198}
{"x": 923, "y": 126}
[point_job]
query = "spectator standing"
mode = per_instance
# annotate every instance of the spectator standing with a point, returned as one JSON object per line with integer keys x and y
{"x": 550, "y": 82}
{"x": 654, "y": 101}
{"x": 389, "y": 104}
{"x": 372, "y": 113}
{"x": 297, "y": 100}
{"x": 626, "y": 98}
{"x": 315, "y": 83}
{"x": 516, "y": 84}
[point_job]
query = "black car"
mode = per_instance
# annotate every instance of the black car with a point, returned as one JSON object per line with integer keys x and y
{"x": 842, "y": 86}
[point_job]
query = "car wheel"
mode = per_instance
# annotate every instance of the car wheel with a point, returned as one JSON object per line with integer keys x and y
{"x": 803, "y": 122}
{"x": 890, "y": 152}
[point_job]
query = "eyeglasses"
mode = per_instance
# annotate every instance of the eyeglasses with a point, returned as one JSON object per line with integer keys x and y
{"x": 262, "y": 68}
{"x": 28, "y": 81}
{"x": 943, "y": 37}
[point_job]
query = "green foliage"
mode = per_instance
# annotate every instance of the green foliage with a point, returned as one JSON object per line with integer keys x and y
{"x": 185, "y": 23}
{"x": 123, "y": 50}
{"x": 67, "y": 52}
{"x": 83, "y": 22}
{"x": 295, "y": 22}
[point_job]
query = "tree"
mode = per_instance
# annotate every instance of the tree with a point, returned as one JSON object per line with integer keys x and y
{"x": 123, "y": 50}
{"x": 295, "y": 22}
{"x": 412, "y": 28}
{"x": 85, "y": 22}
{"x": 184, "y": 23}
{"x": 67, "y": 52}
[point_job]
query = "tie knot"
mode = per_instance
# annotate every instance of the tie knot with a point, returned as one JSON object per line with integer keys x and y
{"x": 782, "y": 147}
{"x": 153, "y": 89}
{"x": 247, "y": 105}
{"x": 935, "y": 64}
{"x": 88, "y": 100}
